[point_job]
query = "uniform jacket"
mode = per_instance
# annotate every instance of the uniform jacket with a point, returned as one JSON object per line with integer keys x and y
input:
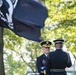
{"x": 58, "y": 60}
{"x": 41, "y": 63}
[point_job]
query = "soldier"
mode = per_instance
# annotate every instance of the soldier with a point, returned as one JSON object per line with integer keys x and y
{"x": 42, "y": 60}
{"x": 58, "y": 60}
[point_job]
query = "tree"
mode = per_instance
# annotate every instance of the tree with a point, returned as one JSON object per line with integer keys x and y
{"x": 22, "y": 47}
{"x": 13, "y": 64}
{"x": 61, "y": 21}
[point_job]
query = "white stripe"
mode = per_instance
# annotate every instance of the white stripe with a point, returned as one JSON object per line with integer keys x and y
{"x": 15, "y": 3}
{"x": 9, "y": 15}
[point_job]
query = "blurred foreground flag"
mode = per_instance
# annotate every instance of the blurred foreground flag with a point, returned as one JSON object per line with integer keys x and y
{"x": 23, "y": 17}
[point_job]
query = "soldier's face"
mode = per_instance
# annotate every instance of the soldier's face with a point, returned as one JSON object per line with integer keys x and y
{"x": 46, "y": 50}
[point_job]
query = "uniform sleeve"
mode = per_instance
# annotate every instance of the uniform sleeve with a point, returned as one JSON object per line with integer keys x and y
{"x": 48, "y": 68}
{"x": 38, "y": 65}
{"x": 69, "y": 63}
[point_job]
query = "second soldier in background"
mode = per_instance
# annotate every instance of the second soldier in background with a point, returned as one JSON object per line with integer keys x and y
{"x": 58, "y": 60}
{"x": 42, "y": 60}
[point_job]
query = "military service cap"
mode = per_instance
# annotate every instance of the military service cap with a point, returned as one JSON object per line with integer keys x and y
{"x": 46, "y": 43}
{"x": 58, "y": 41}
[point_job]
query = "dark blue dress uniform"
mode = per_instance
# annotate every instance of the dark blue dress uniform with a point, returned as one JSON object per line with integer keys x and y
{"x": 42, "y": 60}
{"x": 58, "y": 61}
{"x": 41, "y": 64}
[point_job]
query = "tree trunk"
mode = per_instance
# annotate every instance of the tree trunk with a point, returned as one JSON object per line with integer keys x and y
{"x": 1, "y": 53}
